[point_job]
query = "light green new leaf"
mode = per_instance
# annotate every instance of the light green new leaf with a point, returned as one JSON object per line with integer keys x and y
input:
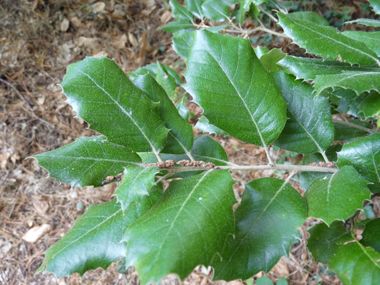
{"x": 371, "y": 234}
{"x": 266, "y": 222}
{"x": 263, "y": 281}
{"x": 367, "y": 22}
{"x": 187, "y": 227}
{"x": 360, "y": 81}
{"x": 309, "y": 68}
{"x": 309, "y": 128}
{"x": 324, "y": 240}
{"x": 337, "y": 196}
{"x": 269, "y": 60}
{"x": 137, "y": 180}
{"x": 309, "y": 16}
{"x": 87, "y": 161}
{"x": 356, "y": 265}
{"x": 204, "y": 125}
{"x": 181, "y": 43}
{"x": 195, "y": 7}
{"x": 176, "y": 26}
{"x": 326, "y": 42}
{"x": 215, "y": 10}
{"x": 94, "y": 239}
{"x": 364, "y": 155}
{"x": 343, "y": 132}
{"x": 224, "y": 75}
{"x": 180, "y": 137}
{"x": 180, "y": 12}
{"x": 375, "y": 6}
{"x": 101, "y": 94}
{"x": 372, "y": 40}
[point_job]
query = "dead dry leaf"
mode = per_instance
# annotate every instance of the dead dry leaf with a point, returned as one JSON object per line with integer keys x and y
{"x": 120, "y": 41}
{"x": 34, "y": 234}
{"x": 41, "y": 206}
{"x": 98, "y": 7}
{"x": 64, "y": 25}
{"x": 166, "y": 17}
{"x": 132, "y": 39}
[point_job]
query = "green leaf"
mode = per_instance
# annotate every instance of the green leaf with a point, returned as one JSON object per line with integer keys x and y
{"x": 195, "y": 6}
{"x": 370, "y": 105}
{"x": 371, "y": 234}
{"x": 180, "y": 12}
{"x": 181, "y": 43}
{"x": 216, "y": 29}
{"x": 87, "y": 161}
{"x": 101, "y": 94}
{"x": 324, "y": 240}
{"x": 224, "y": 75}
{"x": 326, "y": 42}
{"x": 282, "y": 281}
{"x": 309, "y": 68}
{"x": 264, "y": 281}
{"x": 367, "y": 22}
{"x": 309, "y": 128}
{"x": 186, "y": 227}
{"x": 136, "y": 182}
{"x": 176, "y": 26}
{"x": 356, "y": 265}
{"x": 337, "y": 196}
{"x": 343, "y": 132}
{"x": 269, "y": 60}
{"x": 180, "y": 137}
{"x": 266, "y": 222}
{"x": 257, "y": 2}
{"x": 309, "y": 16}
{"x": 94, "y": 239}
{"x": 375, "y": 6}
{"x": 372, "y": 40}
{"x": 358, "y": 81}
{"x": 215, "y": 10}
{"x": 364, "y": 155}
{"x": 204, "y": 125}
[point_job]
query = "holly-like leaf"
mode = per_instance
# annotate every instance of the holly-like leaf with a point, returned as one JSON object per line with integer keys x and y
{"x": 360, "y": 81}
{"x": 187, "y": 227}
{"x": 181, "y": 43}
{"x": 94, "y": 239}
{"x": 180, "y": 137}
{"x": 101, "y": 94}
{"x": 204, "y": 125}
{"x": 343, "y": 132}
{"x": 176, "y": 26}
{"x": 337, "y": 196}
{"x": 195, "y": 7}
{"x": 367, "y": 22}
{"x": 87, "y": 161}
{"x": 325, "y": 240}
{"x": 372, "y": 40}
{"x": 309, "y": 68}
{"x": 215, "y": 10}
{"x": 375, "y": 6}
{"x": 326, "y": 42}
{"x": 309, "y": 16}
{"x": 356, "y": 265}
{"x": 269, "y": 60}
{"x": 224, "y": 75}
{"x": 371, "y": 234}
{"x": 309, "y": 128}
{"x": 266, "y": 222}
{"x": 180, "y": 12}
{"x": 364, "y": 155}
{"x": 137, "y": 180}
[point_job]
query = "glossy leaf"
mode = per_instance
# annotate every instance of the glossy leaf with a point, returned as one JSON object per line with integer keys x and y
{"x": 176, "y": 26}
{"x": 337, "y": 196}
{"x": 370, "y": 105}
{"x": 309, "y": 68}
{"x": 367, "y": 22}
{"x": 309, "y": 16}
{"x": 326, "y": 42}
{"x": 364, "y": 155}
{"x": 217, "y": 29}
{"x": 102, "y": 95}
{"x": 372, "y": 40}
{"x": 136, "y": 182}
{"x": 309, "y": 128}
{"x": 371, "y": 234}
{"x": 269, "y": 60}
{"x": 181, "y": 43}
{"x": 224, "y": 75}
{"x": 343, "y": 132}
{"x": 180, "y": 137}
{"x": 215, "y": 10}
{"x": 266, "y": 222}
{"x": 87, "y": 161}
{"x": 356, "y": 265}
{"x": 94, "y": 239}
{"x": 325, "y": 240}
{"x": 204, "y": 125}
{"x": 195, "y": 6}
{"x": 375, "y": 4}
{"x": 180, "y": 12}
{"x": 186, "y": 227}
{"x": 358, "y": 81}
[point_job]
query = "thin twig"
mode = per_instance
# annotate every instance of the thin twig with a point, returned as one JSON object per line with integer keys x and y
{"x": 354, "y": 126}
{"x": 268, "y": 14}
{"x": 26, "y": 103}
